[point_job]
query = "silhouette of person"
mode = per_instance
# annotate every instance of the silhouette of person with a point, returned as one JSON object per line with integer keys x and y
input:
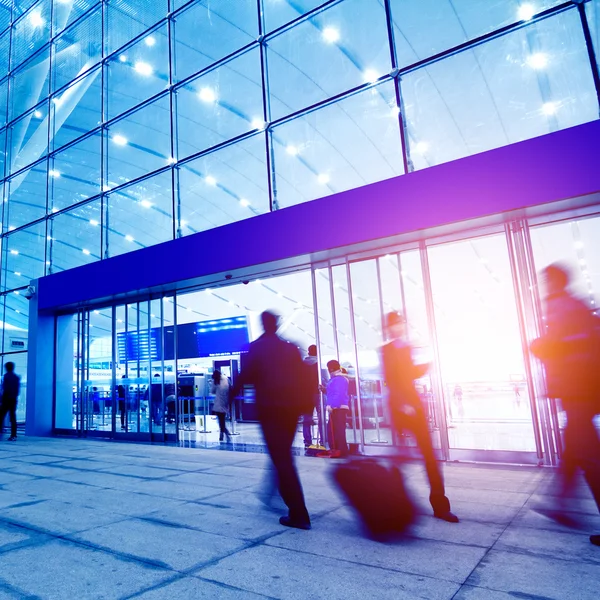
{"x": 337, "y": 407}
{"x": 11, "y": 384}
{"x": 274, "y": 366}
{"x": 312, "y": 374}
{"x": 569, "y": 351}
{"x": 407, "y": 409}
{"x": 121, "y": 394}
{"x": 220, "y": 388}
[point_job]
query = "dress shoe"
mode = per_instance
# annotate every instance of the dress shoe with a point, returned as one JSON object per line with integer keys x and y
{"x": 289, "y": 522}
{"x": 595, "y": 539}
{"x": 448, "y": 516}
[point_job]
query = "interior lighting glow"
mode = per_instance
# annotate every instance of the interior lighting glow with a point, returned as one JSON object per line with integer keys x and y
{"x": 123, "y": 58}
{"x": 14, "y": 252}
{"x": 38, "y": 114}
{"x": 36, "y": 19}
{"x": 183, "y": 223}
{"x": 119, "y": 140}
{"x": 129, "y": 238}
{"x": 549, "y": 108}
{"x": 579, "y": 244}
{"x": 54, "y": 173}
{"x": 207, "y": 94}
{"x": 171, "y": 160}
{"x": 370, "y": 76}
{"x": 421, "y": 147}
{"x": 146, "y": 204}
{"x": 143, "y": 68}
{"x": 257, "y": 123}
{"x": 17, "y": 274}
{"x": 292, "y": 150}
{"x": 94, "y": 222}
{"x": 526, "y": 12}
{"x": 210, "y": 180}
{"x": 331, "y": 35}
{"x": 539, "y": 60}
{"x": 150, "y": 41}
{"x": 245, "y": 203}
{"x": 86, "y": 251}
{"x": 323, "y": 178}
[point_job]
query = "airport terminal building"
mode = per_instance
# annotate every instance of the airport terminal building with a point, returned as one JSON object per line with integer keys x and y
{"x": 172, "y": 168}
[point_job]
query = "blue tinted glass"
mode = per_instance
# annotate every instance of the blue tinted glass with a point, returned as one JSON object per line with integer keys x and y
{"x": 140, "y": 215}
{"x": 29, "y": 85}
{"x": 66, "y": 12}
{"x": 593, "y": 16}
{"x": 524, "y": 84}
{"x": 209, "y": 31}
{"x": 74, "y": 237}
{"x": 77, "y": 50}
{"x": 4, "y": 54}
{"x": 220, "y": 105}
{"x": 139, "y": 143}
{"x": 24, "y": 256}
{"x": 75, "y": 173}
{"x": 30, "y": 32}
{"x": 336, "y": 50}
{"x": 76, "y": 110}
{"x": 26, "y": 196}
{"x": 343, "y": 146}
{"x": 27, "y": 139}
{"x": 2, "y": 156}
{"x": 3, "y": 102}
{"x": 279, "y": 12}
{"x": 16, "y": 316}
{"x": 138, "y": 73}
{"x": 224, "y": 186}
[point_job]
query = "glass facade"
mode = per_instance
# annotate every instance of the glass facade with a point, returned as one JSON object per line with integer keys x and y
{"x": 127, "y": 123}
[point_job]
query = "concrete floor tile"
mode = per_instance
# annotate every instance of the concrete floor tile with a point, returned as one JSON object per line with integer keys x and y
{"x": 285, "y": 574}
{"x": 166, "y": 545}
{"x": 8, "y": 498}
{"x": 198, "y": 589}
{"x": 469, "y": 592}
{"x": 215, "y": 480}
{"x": 179, "y": 491}
{"x": 529, "y": 518}
{"x": 484, "y": 513}
{"x": 60, "y": 570}
{"x": 143, "y": 471}
{"x": 12, "y": 535}
{"x": 48, "y": 489}
{"x": 538, "y": 576}
{"x": 493, "y": 497}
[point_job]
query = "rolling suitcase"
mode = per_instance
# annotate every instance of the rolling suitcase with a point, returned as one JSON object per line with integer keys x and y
{"x": 377, "y": 493}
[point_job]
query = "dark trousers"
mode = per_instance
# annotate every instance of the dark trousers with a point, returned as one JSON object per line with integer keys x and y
{"x": 11, "y": 409}
{"x": 337, "y": 420}
{"x": 307, "y": 422}
{"x": 222, "y": 426}
{"x": 122, "y": 412}
{"x": 279, "y": 429}
{"x": 417, "y": 425}
{"x": 581, "y": 450}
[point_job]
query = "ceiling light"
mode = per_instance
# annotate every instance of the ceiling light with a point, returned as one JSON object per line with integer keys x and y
{"x": 150, "y": 41}
{"x": 146, "y": 204}
{"x": 245, "y": 203}
{"x": 14, "y": 252}
{"x": 183, "y": 223}
{"x": 123, "y": 58}
{"x": 370, "y": 76}
{"x": 539, "y": 60}
{"x": 323, "y": 178}
{"x": 331, "y": 35}
{"x": 93, "y": 222}
{"x": 526, "y": 11}
{"x": 143, "y": 68}
{"x": 55, "y": 210}
{"x": 86, "y": 252}
{"x": 579, "y": 244}
{"x": 292, "y": 150}
{"x": 171, "y": 160}
{"x": 549, "y": 108}
{"x": 207, "y": 94}
{"x": 35, "y": 19}
{"x": 54, "y": 173}
{"x": 38, "y": 114}
{"x": 17, "y": 274}
{"x": 210, "y": 180}
{"x": 119, "y": 140}
{"x": 257, "y": 123}
{"x": 421, "y": 147}
{"x": 129, "y": 238}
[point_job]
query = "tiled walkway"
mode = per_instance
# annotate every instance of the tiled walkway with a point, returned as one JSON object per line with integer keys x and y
{"x": 88, "y": 519}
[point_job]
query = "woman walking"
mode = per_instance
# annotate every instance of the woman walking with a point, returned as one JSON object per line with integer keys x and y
{"x": 220, "y": 388}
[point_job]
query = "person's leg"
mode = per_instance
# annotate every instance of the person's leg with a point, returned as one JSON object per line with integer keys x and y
{"x": 307, "y": 421}
{"x": 13, "y": 420}
{"x": 338, "y": 425}
{"x": 3, "y": 411}
{"x": 279, "y": 429}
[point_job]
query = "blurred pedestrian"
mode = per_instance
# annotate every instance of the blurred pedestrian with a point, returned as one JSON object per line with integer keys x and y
{"x": 11, "y": 384}
{"x": 337, "y": 407}
{"x": 407, "y": 409}
{"x": 312, "y": 375}
{"x": 570, "y": 352}
{"x": 220, "y": 388}
{"x": 275, "y": 368}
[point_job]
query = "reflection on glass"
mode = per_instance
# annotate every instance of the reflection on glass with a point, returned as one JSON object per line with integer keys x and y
{"x": 16, "y": 321}
{"x": 67, "y": 368}
{"x": 24, "y": 256}
{"x": 29, "y": 85}
{"x": 27, "y": 139}
{"x": 26, "y": 195}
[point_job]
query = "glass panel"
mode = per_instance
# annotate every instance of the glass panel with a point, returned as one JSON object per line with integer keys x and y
{"x": 4, "y": 101}
{"x": 220, "y": 105}
{"x": 29, "y": 85}
{"x": 158, "y": 387}
{"x": 225, "y": 186}
{"x": 140, "y": 215}
{"x": 423, "y": 28}
{"x": 77, "y": 110}
{"x": 277, "y": 13}
{"x": 339, "y": 147}
{"x": 24, "y": 256}
{"x": 16, "y": 322}
{"x": 208, "y": 31}
{"x": 74, "y": 237}
{"x": 4, "y": 53}
{"x": 66, "y": 12}
{"x": 481, "y": 361}
{"x": 126, "y": 19}
{"x": 27, "y": 139}
{"x": 139, "y": 143}
{"x": 137, "y": 73}
{"x": 68, "y": 361}
{"x": 169, "y": 364}
{"x": 3, "y": 152}
{"x": 26, "y": 196}
{"x": 30, "y": 32}
{"x": 20, "y": 361}
{"x": 99, "y": 373}
{"x": 593, "y": 15}
{"x": 521, "y": 85}
{"x": 77, "y": 50}
{"x": 75, "y": 173}
{"x": 333, "y": 51}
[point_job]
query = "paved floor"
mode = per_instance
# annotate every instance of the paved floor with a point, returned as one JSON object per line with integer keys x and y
{"x": 89, "y": 519}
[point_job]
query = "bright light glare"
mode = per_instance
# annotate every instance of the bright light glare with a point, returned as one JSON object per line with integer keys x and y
{"x": 526, "y": 12}
{"x": 171, "y": 160}
{"x": 323, "y": 178}
{"x": 129, "y": 238}
{"x": 257, "y": 123}
{"x": 94, "y": 222}
{"x": 245, "y": 203}
{"x": 38, "y": 114}
{"x": 35, "y": 19}
{"x": 150, "y": 41}
{"x": 549, "y": 108}
{"x": 539, "y": 60}
{"x": 579, "y": 244}
{"x": 119, "y": 140}
{"x": 86, "y": 251}
{"x": 421, "y": 147}
{"x": 292, "y": 150}
{"x": 54, "y": 173}
{"x": 123, "y": 58}
{"x": 210, "y": 180}
{"x": 143, "y": 68}
{"x": 331, "y": 35}
{"x": 370, "y": 75}
{"x": 207, "y": 94}
{"x": 146, "y": 204}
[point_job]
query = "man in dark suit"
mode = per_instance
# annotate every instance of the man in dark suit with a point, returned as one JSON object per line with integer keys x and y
{"x": 407, "y": 409}
{"x": 275, "y": 368}
{"x": 10, "y": 393}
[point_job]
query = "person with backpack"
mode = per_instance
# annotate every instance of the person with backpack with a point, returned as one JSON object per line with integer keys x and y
{"x": 570, "y": 353}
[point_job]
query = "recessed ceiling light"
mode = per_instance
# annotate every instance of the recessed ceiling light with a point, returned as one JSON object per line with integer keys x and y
{"x": 210, "y": 180}
{"x": 54, "y": 173}
{"x": 14, "y": 252}
{"x": 171, "y": 160}
{"x": 245, "y": 203}
{"x": 549, "y": 108}
{"x": 123, "y": 58}
{"x": 86, "y": 251}
{"x": 35, "y": 19}
{"x": 257, "y": 123}
{"x": 119, "y": 140}
{"x": 331, "y": 35}
{"x": 292, "y": 150}
{"x": 538, "y": 60}
{"x": 323, "y": 178}
{"x": 421, "y": 147}
{"x": 370, "y": 76}
{"x": 150, "y": 41}
{"x": 526, "y": 12}
{"x": 207, "y": 94}
{"x": 146, "y": 204}
{"x": 143, "y": 68}
{"x": 129, "y": 238}
{"x": 38, "y": 114}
